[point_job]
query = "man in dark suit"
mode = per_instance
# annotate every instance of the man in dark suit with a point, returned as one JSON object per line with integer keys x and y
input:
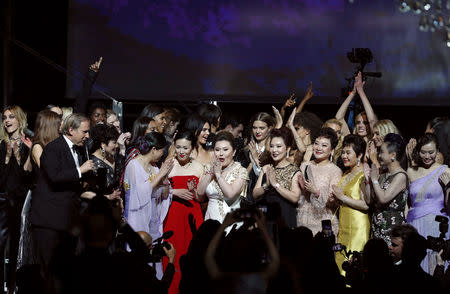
{"x": 55, "y": 202}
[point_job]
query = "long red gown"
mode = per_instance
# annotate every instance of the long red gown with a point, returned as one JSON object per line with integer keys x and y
{"x": 177, "y": 220}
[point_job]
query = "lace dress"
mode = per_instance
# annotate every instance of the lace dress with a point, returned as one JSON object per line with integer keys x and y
{"x": 387, "y": 216}
{"x": 311, "y": 209}
{"x": 218, "y": 206}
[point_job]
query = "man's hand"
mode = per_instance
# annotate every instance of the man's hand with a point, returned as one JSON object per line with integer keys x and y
{"x": 170, "y": 252}
{"x": 87, "y": 166}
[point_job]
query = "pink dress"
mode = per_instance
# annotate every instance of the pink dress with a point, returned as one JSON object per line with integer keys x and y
{"x": 312, "y": 210}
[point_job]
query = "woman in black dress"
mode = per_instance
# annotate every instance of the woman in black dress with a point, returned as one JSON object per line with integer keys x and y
{"x": 14, "y": 183}
{"x": 278, "y": 182}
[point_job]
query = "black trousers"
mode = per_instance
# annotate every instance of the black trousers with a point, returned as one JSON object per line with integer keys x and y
{"x": 10, "y": 211}
{"x": 52, "y": 249}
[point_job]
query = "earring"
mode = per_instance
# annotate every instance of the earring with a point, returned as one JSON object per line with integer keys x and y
{"x": 392, "y": 159}
{"x": 331, "y": 157}
{"x": 359, "y": 162}
{"x": 103, "y": 151}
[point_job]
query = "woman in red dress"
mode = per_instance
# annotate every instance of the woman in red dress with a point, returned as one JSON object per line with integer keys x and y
{"x": 185, "y": 215}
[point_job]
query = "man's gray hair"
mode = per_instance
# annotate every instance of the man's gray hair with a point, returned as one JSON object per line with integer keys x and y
{"x": 73, "y": 121}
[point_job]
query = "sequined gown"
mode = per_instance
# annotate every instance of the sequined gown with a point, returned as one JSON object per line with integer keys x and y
{"x": 312, "y": 210}
{"x": 218, "y": 206}
{"x": 354, "y": 225}
{"x": 284, "y": 176}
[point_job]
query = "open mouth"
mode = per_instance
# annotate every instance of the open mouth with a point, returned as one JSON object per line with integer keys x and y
{"x": 221, "y": 159}
{"x": 182, "y": 155}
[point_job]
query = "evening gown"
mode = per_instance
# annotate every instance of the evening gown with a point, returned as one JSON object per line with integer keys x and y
{"x": 427, "y": 201}
{"x": 311, "y": 209}
{"x": 184, "y": 218}
{"x": 391, "y": 214}
{"x": 275, "y": 201}
{"x": 145, "y": 208}
{"x": 354, "y": 225}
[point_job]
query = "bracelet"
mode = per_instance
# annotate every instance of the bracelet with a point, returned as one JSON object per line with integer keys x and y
{"x": 265, "y": 187}
{"x": 276, "y": 186}
{"x": 375, "y": 182}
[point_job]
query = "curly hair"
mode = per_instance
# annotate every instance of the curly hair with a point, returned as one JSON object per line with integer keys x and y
{"x": 330, "y": 134}
{"x": 309, "y": 121}
{"x": 102, "y": 134}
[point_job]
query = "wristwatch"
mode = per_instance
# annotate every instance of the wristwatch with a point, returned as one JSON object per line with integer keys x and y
{"x": 265, "y": 187}
{"x": 276, "y": 186}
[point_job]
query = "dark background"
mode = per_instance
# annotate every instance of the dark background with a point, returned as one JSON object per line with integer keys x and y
{"x": 32, "y": 83}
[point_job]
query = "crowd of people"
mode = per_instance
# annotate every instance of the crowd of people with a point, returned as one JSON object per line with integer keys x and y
{"x": 207, "y": 202}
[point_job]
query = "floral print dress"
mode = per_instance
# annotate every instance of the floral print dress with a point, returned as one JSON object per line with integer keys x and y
{"x": 387, "y": 216}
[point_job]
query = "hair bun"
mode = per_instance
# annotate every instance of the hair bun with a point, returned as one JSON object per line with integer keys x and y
{"x": 142, "y": 145}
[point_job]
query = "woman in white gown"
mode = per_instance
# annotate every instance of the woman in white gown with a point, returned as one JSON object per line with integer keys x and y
{"x": 225, "y": 180}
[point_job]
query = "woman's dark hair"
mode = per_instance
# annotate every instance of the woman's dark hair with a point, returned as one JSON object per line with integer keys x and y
{"x": 102, "y": 134}
{"x": 225, "y": 136}
{"x": 146, "y": 143}
{"x": 330, "y": 134}
{"x": 195, "y": 123}
{"x": 424, "y": 140}
{"x": 152, "y": 110}
{"x": 139, "y": 127}
{"x": 442, "y": 132}
{"x": 94, "y": 106}
{"x": 309, "y": 121}
{"x": 284, "y": 133}
{"x": 357, "y": 143}
{"x": 188, "y": 135}
{"x": 437, "y": 121}
{"x": 395, "y": 143}
{"x": 210, "y": 113}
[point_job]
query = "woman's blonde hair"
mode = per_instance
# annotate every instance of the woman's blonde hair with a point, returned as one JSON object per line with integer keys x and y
{"x": 66, "y": 111}
{"x": 21, "y": 118}
{"x": 332, "y": 121}
{"x": 385, "y": 127}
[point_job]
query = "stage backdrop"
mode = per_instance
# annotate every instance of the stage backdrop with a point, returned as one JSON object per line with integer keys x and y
{"x": 237, "y": 49}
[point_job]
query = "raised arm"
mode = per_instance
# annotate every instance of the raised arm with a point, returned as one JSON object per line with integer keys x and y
{"x": 398, "y": 184}
{"x": 81, "y": 100}
{"x": 301, "y": 147}
{"x": 359, "y": 86}
{"x": 289, "y": 103}
{"x": 308, "y": 95}
{"x": 340, "y": 115}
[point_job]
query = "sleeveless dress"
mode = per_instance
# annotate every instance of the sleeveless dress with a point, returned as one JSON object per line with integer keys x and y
{"x": 284, "y": 177}
{"x": 354, "y": 225}
{"x": 184, "y": 218}
{"x": 391, "y": 214}
{"x": 218, "y": 206}
{"x": 427, "y": 200}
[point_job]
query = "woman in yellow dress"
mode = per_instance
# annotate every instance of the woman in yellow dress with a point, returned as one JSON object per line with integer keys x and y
{"x": 354, "y": 225}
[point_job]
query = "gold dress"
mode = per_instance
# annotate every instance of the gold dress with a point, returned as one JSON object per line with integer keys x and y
{"x": 354, "y": 225}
